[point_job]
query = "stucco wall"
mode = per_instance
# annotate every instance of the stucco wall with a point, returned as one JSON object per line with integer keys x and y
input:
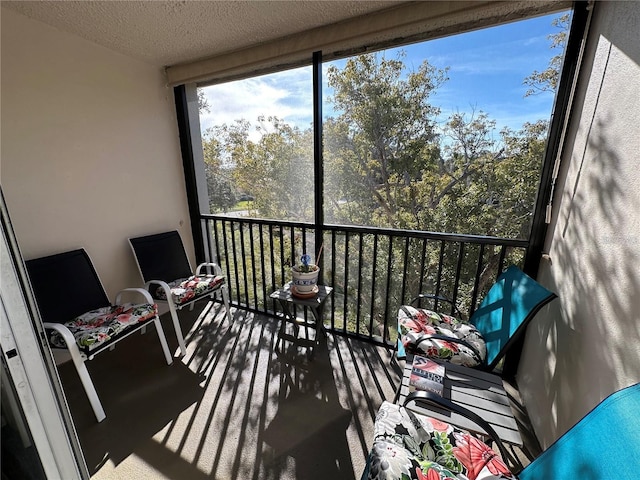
{"x": 90, "y": 149}
{"x": 586, "y": 345}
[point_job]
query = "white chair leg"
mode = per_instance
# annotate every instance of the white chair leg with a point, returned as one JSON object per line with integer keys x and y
{"x": 225, "y": 298}
{"x": 81, "y": 368}
{"x": 177, "y": 328}
{"x": 163, "y": 340}
{"x": 85, "y": 378}
{"x": 172, "y": 311}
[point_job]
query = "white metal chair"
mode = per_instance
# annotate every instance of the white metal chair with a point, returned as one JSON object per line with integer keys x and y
{"x": 78, "y": 316}
{"x": 168, "y": 276}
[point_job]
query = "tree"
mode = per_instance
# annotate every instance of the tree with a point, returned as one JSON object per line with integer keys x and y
{"x": 382, "y": 140}
{"x": 276, "y": 169}
{"x": 222, "y": 194}
{"x": 203, "y": 103}
{"x": 547, "y": 80}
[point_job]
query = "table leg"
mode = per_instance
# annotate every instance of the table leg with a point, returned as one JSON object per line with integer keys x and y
{"x": 290, "y": 317}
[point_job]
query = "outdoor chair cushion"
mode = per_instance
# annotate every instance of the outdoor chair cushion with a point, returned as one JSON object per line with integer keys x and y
{"x": 415, "y": 325}
{"x": 94, "y": 328}
{"x": 184, "y": 290}
{"x": 409, "y": 446}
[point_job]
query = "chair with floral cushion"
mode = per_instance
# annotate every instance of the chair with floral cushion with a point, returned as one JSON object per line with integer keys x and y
{"x": 168, "y": 276}
{"x": 409, "y": 446}
{"x": 481, "y": 342}
{"x": 78, "y": 316}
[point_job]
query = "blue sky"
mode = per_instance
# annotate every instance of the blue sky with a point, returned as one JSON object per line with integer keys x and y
{"x": 486, "y": 71}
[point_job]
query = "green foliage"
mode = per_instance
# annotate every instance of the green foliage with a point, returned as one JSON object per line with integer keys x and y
{"x": 444, "y": 452}
{"x": 277, "y": 168}
{"x": 382, "y": 141}
{"x": 547, "y": 80}
{"x": 222, "y": 192}
{"x": 387, "y": 163}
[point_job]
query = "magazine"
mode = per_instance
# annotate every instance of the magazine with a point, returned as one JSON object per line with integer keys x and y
{"x": 426, "y": 375}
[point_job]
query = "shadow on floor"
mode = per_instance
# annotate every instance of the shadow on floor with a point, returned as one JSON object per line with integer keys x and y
{"x": 232, "y": 408}
{"x": 309, "y": 416}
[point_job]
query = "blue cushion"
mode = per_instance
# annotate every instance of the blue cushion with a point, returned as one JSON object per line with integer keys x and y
{"x": 603, "y": 445}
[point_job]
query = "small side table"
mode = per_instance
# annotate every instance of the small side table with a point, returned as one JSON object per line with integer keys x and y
{"x": 314, "y": 304}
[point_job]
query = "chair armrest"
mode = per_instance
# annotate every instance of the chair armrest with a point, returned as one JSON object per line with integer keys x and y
{"x": 430, "y": 398}
{"x": 215, "y": 266}
{"x": 429, "y": 296}
{"x": 161, "y": 283}
{"x": 140, "y": 291}
{"x": 68, "y": 338}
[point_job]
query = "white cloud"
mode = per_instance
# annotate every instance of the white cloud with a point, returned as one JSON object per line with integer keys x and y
{"x": 287, "y": 95}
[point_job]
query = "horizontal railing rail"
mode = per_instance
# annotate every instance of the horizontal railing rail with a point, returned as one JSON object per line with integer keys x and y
{"x": 373, "y": 271}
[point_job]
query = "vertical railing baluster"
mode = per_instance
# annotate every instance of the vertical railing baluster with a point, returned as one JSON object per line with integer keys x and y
{"x": 282, "y": 257}
{"x": 243, "y": 258}
{"x": 303, "y": 235}
{"x": 387, "y": 313}
{"x": 208, "y": 254}
{"x": 253, "y": 266}
{"x": 422, "y": 262}
{"x": 227, "y": 257}
{"x": 374, "y": 272}
{"x": 293, "y": 256}
{"x": 304, "y": 243}
{"x": 346, "y": 282}
{"x": 503, "y": 254}
{"x": 439, "y": 278}
{"x": 262, "y": 267}
{"x": 456, "y": 284}
{"x": 333, "y": 279}
{"x": 359, "y": 284}
{"x": 216, "y": 242}
{"x": 273, "y": 266}
{"x": 235, "y": 258}
{"x": 476, "y": 284}
{"x": 405, "y": 270}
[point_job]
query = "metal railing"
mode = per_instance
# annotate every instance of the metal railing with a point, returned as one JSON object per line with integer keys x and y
{"x": 373, "y": 270}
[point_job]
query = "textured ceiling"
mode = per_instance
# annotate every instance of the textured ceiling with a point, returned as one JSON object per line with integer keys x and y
{"x": 167, "y": 33}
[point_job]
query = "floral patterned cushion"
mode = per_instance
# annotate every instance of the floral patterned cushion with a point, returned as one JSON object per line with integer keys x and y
{"x": 414, "y": 324}
{"x": 93, "y": 328}
{"x": 186, "y": 289}
{"x": 409, "y": 446}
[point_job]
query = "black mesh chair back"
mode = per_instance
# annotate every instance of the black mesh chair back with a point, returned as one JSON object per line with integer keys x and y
{"x": 65, "y": 285}
{"x": 161, "y": 256}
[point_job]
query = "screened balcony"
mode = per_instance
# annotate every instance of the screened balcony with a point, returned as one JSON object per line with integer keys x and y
{"x": 91, "y": 155}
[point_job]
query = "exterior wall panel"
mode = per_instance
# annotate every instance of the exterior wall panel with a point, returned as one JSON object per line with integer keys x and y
{"x": 586, "y": 345}
{"x": 90, "y": 148}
